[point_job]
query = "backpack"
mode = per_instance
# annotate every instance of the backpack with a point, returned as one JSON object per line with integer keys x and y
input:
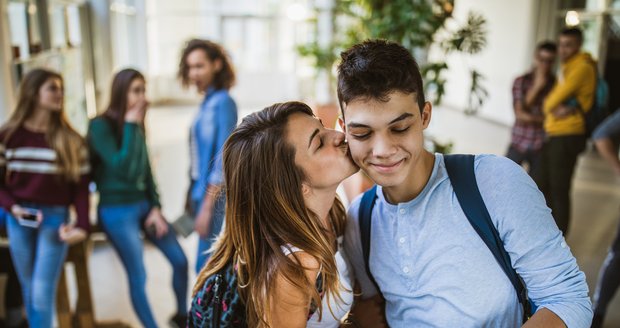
{"x": 600, "y": 106}
{"x": 462, "y": 177}
{"x": 218, "y": 303}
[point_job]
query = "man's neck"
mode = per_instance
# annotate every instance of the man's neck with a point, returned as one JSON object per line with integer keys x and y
{"x": 414, "y": 183}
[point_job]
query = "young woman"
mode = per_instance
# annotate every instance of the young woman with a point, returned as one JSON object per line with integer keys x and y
{"x": 129, "y": 203}
{"x": 206, "y": 65}
{"x": 284, "y": 223}
{"x": 44, "y": 172}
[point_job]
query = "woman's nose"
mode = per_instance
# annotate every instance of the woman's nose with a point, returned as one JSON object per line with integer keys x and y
{"x": 338, "y": 138}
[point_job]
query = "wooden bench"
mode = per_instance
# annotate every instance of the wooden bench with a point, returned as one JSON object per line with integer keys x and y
{"x": 84, "y": 316}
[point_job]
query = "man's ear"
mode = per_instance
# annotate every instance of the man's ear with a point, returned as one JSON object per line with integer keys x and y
{"x": 426, "y": 114}
{"x": 341, "y": 124}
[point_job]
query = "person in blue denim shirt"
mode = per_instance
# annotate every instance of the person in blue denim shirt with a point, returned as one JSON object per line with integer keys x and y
{"x": 128, "y": 199}
{"x": 431, "y": 267}
{"x": 206, "y": 65}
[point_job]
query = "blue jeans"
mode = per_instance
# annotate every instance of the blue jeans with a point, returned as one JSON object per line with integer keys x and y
{"x": 217, "y": 220}
{"x": 38, "y": 255}
{"x": 123, "y": 224}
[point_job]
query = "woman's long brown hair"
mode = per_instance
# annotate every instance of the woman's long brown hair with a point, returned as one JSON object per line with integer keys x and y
{"x": 62, "y": 138}
{"x": 117, "y": 107}
{"x": 265, "y": 209}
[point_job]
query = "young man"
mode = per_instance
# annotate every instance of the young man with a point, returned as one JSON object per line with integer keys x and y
{"x": 528, "y": 93}
{"x": 431, "y": 267}
{"x": 565, "y": 124}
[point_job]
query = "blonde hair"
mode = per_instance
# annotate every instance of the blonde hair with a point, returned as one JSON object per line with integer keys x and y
{"x": 265, "y": 209}
{"x": 62, "y": 138}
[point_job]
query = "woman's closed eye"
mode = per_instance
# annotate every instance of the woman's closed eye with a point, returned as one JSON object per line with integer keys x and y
{"x": 320, "y": 143}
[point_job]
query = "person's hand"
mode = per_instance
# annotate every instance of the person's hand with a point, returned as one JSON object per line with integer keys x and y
{"x": 369, "y": 312}
{"x": 71, "y": 235}
{"x": 617, "y": 170}
{"x": 203, "y": 222}
{"x": 540, "y": 79}
{"x": 20, "y": 212}
{"x": 136, "y": 113}
{"x": 157, "y": 220}
{"x": 563, "y": 111}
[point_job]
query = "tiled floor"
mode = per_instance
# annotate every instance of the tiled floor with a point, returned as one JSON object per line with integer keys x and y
{"x": 596, "y": 196}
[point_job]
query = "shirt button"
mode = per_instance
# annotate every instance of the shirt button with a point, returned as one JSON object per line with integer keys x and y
{"x": 406, "y": 269}
{"x": 402, "y": 211}
{"x": 563, "y": 244}
{"x": 401, "y": 240}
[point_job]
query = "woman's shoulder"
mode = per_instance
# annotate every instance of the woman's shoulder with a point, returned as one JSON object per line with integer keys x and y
{"x": 99, "y": 123}
{"x": 299, "y": 256}
{"x": 223, "y": 98}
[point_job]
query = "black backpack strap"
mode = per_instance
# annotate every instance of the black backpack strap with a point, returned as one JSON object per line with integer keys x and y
{"x": 364, "y": 216}
{"x": 462, "y": 176}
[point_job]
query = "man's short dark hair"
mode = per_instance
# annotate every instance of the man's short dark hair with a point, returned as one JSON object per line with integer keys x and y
{"x": 547, "y": 46}
{"x": 574, "y": 32}
{"x": 374, "y": 69}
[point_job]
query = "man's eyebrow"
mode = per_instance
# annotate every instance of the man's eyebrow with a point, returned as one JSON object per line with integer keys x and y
{"x": 402, "y": 117}
{"x": 312, "y": 137}
{"x": 352, "y": 125}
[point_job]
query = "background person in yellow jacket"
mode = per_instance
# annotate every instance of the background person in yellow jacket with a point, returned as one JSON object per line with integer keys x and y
{"x": 565, "y": 124}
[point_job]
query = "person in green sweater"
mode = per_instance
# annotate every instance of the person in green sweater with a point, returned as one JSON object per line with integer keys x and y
{"x": 129, "y": 203}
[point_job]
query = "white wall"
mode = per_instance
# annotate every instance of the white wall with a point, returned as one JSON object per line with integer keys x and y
{"x": 261, "y": 47}
{"x": 7, "y": 92}
{"x": 511, "y": 27}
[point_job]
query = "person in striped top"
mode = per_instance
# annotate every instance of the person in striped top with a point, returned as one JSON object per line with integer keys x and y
{"x": 45, "y": 170}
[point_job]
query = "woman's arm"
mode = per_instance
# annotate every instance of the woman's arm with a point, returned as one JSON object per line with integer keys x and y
{"x": 290, "y": 305}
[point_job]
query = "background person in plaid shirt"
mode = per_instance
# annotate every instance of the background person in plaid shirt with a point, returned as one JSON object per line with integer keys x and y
{"x": 528, "y": 93}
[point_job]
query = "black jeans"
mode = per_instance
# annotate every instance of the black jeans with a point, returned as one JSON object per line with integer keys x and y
{"x": 558, "y": 165}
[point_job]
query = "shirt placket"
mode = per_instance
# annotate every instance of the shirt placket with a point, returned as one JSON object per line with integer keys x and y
{"x": 403, "y": 243}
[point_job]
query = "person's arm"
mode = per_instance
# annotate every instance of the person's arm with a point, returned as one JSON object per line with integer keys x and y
{"x": 103, "y": 143}
{"x": 76, "y": 233}
{"x": 602, "y": 137}
{"x": 6, "y": 199}
{"x": 537, "y": 249}
{"x": 82, "y": 203}
{"x": 540, "y": 81}
{"x": 290, "y": 305}
{"x": 566, "y": 89}
{"x": 151, "y": 185}
{"x": 155, "y": 217}
{"x": 368, "y": 307}
{"x": 607, "y": 149}
{"x": 521, "y": 99}
{"x": 227, "y": 120}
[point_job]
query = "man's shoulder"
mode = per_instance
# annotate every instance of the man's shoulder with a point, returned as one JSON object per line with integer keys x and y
{"x": 354, "y": 208}
{"x": 524, "y": 78}
{"x": 494, "y": 166}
